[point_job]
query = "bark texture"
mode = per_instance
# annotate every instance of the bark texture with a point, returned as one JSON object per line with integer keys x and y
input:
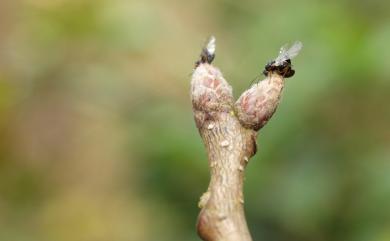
{"x": 229, "y": 132}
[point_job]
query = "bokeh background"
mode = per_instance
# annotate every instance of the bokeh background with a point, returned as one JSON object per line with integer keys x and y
{"x": 98, "y": 142}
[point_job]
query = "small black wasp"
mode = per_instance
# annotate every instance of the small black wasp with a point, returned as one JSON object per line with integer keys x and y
{"x": 282, "y": 64}
{"x": 208, "y": 52}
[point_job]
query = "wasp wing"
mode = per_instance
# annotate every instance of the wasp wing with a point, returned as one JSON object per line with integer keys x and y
{"x": 210, "y": 46}
{"x": 290, "y": 53}
{"x": 294, "y": 50}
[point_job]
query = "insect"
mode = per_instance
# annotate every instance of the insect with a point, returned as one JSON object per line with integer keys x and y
{"x": 282, "y": 64}
{"x": 208, "y": 52}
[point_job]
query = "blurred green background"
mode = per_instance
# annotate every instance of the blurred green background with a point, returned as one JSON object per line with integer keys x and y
{"x": 98, "y": 142}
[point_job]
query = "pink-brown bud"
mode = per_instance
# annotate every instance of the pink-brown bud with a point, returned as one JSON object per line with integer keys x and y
{"x": 257, "y": 104}
{"x": 209, "y": 90}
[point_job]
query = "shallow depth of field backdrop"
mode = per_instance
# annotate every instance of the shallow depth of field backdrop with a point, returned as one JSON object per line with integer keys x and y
{"x": 98, "y": 143}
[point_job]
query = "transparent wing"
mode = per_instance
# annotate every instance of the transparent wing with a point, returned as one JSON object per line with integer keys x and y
{"x": 282, "y": 55}
{"x": 283, "y": 49}
{"x": 210, "y": 46}
{"x": 294, "y": 50}
{"x": 290, "y": 53}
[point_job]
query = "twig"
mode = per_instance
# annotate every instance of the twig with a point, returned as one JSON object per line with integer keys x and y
{"x": 229, "y": 132}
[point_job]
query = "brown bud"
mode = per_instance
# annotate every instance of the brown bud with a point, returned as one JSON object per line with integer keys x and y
{"x": 209, "y": 90}
{"x": 257, "y": 104}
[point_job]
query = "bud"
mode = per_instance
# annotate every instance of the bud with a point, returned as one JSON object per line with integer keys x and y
{"x": 257, "y": 104}
{"x": 209, "y": 90}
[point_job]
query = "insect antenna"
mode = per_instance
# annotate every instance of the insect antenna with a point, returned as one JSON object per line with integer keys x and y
{"x": 257, "y": 78}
